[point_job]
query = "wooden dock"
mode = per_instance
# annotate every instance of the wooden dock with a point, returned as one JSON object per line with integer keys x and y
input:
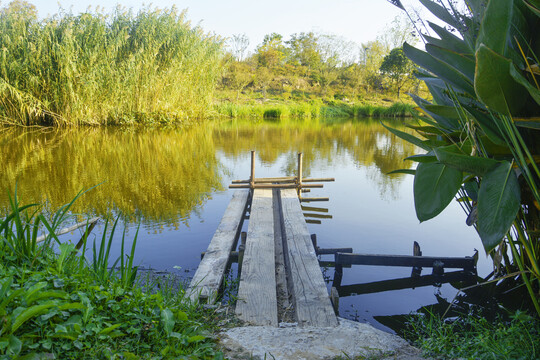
{"x": 278, "y": 264}
{"x": 280, "y": 277}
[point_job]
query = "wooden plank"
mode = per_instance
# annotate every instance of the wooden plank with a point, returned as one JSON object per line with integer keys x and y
{"x": 209, "y": 275}
{"x": 285, "y": 179}
{"x": 405, "y": 260}
{"x": 304, "y": 199}
{"x": 256, "y": 302}
{"x": 329, "y": 251}
{"x": 318, "y": 216}
{"x": 285, "y": 313}
{"x": 310, "y": 296}
{"x": 272, "y": 186}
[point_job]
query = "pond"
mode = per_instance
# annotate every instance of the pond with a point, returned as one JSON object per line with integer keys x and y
{"x": 174, "y": 183}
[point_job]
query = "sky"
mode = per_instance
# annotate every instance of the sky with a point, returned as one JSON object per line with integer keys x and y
{"x": 355, "y": 20}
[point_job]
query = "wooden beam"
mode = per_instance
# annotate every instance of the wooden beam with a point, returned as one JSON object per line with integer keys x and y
{"x": 304, "y": 199}
{"x": 272, "y": 186}
{"x": 209, "y": 275}
{"x": 316, "y": 209}
{"x": 69, "y": 228}
{"x": 310, "y": 296}
{"x": 405, "y": 260}
{"x": 256, "y": 302}
{"x": 318, "y": 216}
{"x": 330, "y": 251}
{"x": 287, "y": 179}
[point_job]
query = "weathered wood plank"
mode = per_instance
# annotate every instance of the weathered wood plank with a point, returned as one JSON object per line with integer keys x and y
{"x": 405, "y": 260}
{"x": 256, "y": 303}
{"x": 209, "y": 274}
{"x": 310, "y": 296}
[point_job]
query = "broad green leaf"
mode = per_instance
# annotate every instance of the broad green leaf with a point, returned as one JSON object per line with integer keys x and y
{"x": 14, "y": 345}
{"x": 451, "y": 41}
{"x": 167, "y": 320}
{"x": 29, "y": 313}
{"x": 470, "y": 164}
{"x": 522, "y": 80}
{"x": 408, "y": 137}
{"x": 435, "y": 185}
{"x": 423, "y": 158}
{"x": 439, "y": 68}
{"x": 427, "y": 129}
{"x": 463, "y": 64}
{"x": 403, "y": 171}
{"x": 496, "y": 25}
{"x": 444, "y": 115}
{"x": 196, "y": 338}
{"x": 499, "y": 200}
{"x": 494, "y": 85}
{"x": 441, "y": 13}
{"x": 109, "y": 329}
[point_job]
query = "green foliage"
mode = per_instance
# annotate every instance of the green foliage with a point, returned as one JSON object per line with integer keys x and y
{"x": 55, "y": 305}
{"x": 104, "y": 68}
{"x": 398, "y": 68}
{"x": 473, "y": 337}
{"x": 484, "y": 122}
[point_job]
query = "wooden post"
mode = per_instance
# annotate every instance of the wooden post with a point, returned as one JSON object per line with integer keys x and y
{"x": 299, "y": 181}
{"x": 252, "y": 177}
{"x": 334, "y": 297}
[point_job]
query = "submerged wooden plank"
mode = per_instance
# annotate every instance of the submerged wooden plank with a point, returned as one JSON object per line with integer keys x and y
{"x": 310, "y": 296}
{"x": 209, "y": 274}
{"x": 256, "y": 302}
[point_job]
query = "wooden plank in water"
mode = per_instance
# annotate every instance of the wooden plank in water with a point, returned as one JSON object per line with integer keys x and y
{"x": 405, "y": 260}
{"x": 310, "y": 296}
{"x": 256, "y": 303}
{"x": 209, "y": 275}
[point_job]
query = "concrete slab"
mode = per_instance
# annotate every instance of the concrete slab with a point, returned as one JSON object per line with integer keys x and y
{"x": 289, "y": 342}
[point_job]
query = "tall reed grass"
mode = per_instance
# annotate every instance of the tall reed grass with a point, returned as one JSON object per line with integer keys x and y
{"x": 97, "y": 68}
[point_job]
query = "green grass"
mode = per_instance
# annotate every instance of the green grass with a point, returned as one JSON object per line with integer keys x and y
{"x": 55, "y": 303}
{"x": 97, "y": 68}
{"x": 310, "y": 110}
{"x": 475, "y": 337}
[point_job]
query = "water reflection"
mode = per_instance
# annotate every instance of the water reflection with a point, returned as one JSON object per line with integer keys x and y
{"x": 166, "y": 175}
{"x": 157, "y": 175}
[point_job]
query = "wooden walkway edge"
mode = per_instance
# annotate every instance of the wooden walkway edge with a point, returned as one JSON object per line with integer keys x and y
{"x": 209, "y": 275}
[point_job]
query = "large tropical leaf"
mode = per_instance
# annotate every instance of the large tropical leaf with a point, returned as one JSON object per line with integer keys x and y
{"x": 496, "y": 25}
{"x": 441, "y": 13}
{"x": 454, "y": 158}
{"x": 463, "y": 64}
{"x": 494, "y": 85}
{"x": 408, "y": 137}
{"x": 446, "y": 116}
{"x": 499, "y": 200}
{"x": 439, "y": 68}
{"x": 435, "y": 185}
{"x": 450, "y": 41}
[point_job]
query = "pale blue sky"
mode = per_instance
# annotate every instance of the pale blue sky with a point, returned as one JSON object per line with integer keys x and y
{"x": 356, "y": 20}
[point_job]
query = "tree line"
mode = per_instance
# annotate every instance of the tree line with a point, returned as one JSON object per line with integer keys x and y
{"x": 311, "y": 65}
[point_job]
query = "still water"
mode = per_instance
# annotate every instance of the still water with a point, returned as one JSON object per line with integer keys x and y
{"x": 174, "y": 183}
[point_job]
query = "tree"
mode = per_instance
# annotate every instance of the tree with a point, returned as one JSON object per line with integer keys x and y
{"x": 271, "y": 52}
{"x": 396, "y": 66}
{"x": 304, "y": 50}
{"x": 239, "y": 44}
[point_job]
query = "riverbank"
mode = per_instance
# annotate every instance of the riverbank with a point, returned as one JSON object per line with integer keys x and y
{"x": 274, "y": 109}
